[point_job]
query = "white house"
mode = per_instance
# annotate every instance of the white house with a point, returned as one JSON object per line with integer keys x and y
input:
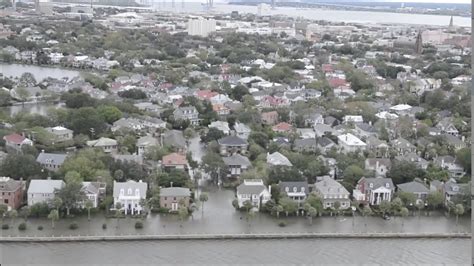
{"x": 374, "y": 190}
{"x": 241, "y": 130}
{"x": 222, "y": 126}
{"x": 351, "y": 143}
{"x": 93, "y": 192}
{"x": 278, "y": 159}
{"x": 129, "y": 194}
{"x": 106, "y": 144}
{"x": 42, "y": 191}
{"x": 254, "y": 191}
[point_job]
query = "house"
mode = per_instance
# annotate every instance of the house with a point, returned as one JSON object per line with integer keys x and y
{"x": 106, "y": 144}
{"x": 60, "y": 134}
{"x": 278, "y": 159}
{"x": 373, "y": 190}
{"x": 236, "y": 165}
{"x": 42, "y": 191}
{"x": 282, "y": 127}
{"x": 94, "y": 192}
{"x": 446, "y": 126}
{"x": 172, "y": 198}
{"x": 313, "y": 119}
{"x": 174, "y": 161}
{"x": 321, "y": 130}
{"x": 253, "y": 191}
{"x": 379, "y": 165}
{"x": 174, "y": 139}
{"x": 402, "y": 146}
{"x": 450, "y": 164}
{"x": 220, "y": 109}
{"x": 350, "y": 143}
{"x": 269, "y": 118}
{"x": 128, "y": 124}
{"x": 452, "y": 190}
{"x": 297, "y": 191}
{"x": 51, "y": 161}
{"x": 231, "y": 145}
{"x": 242, "y": 131}
{"x": 331, "y": 191}
{"x": 402, "y": 109}
{"x": 129, "y": 194}
{"x": 455, "y": 142}
{"x": 416, "y": 187}
{"x": 11, "y": 192}
{"x": 282, "y": 142}
{"x": 146, "y": 142}
{"x": 222, "y": 126}
{"x": 325, "y": 144}
{"x": 377, "y": 147}
{"x": 305, "y": 145}
{"x": 364, "y": 130}
{"x": 187, "y": 113}
{"x": 352, "y": 119}
{"x": 16, "y": 142}
{"x": 413, "y": 158}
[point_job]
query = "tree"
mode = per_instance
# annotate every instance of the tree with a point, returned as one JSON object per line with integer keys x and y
{"x": 283, "y": 173}
{"x": 419, "y": 205}
{"x": 3, "y": 210}
{"x": 183, "y": 212}
{"x": 385, "y": 207}
{"x": 25, "y": 212}
{"x": 277, "y": 209}
{"x": 109, "y": 113}
{"x": 289, "y": 205}
{"x": 57, "y": 202}
{"x": 70, "y": 194}
{"x": 213, "y": 165}
{"x": 82, "y": 120}
{"x": 118, "y": 212}
{"x": 88, "y": 205}
{"x": 366, "y": 211}
{"x": 312, "y": 212}
{"x": 464, "y": 158}
{"x": 53, "y": 215}
{"x": 315, "y": 202}
{"x": 404, "y": 213}
{"x": 135, "y": 94}
{"x": 337, "y": 205}
{"x": 403, "y": 172}
{"x": 396, "y": 205}
{"x": 203, "y": 198}
{"x": 435, "y": 199}
{"x": 19, "y": 166}
{"x": 212, "y": 134}
{"x": 458, "y": 210}
{"x": 22, "y": 94}
{"x": 408, "y": 198}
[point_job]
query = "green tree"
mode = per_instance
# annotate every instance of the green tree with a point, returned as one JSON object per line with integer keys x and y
{"x": 385, "y": 207}
{"x": 337, "y": 206}
{"x": 22, "y": 94}
{"x": 404, "y": 213}
{"x": 89, "y": 205}
{"x": 70, "y": 194}
{"x": 3, "y": 210}
{"x": 396, "y": 205}
{"x": 54, "y": 216}
{"x": 183, "y": 213}
{"x": 366, "y": 211}
{"x": 213, "y": 165}
{"x": 289, "y": 205}
{"x": 19, "y": 166}
{"x": 435, "y": 199}
{"x": 109, "y": 113}
{"x": 464, "y": 158}
{"x": 458, "y": 210}
{"x": 408, "y": 198}
{"x": 403, "y": 172}
{"x": 203, "y": 198}
{"x": 277, "y": 209}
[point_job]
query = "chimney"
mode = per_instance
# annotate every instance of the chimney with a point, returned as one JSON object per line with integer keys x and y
{"x": 270, "y": 189}
{"x": 171, "y": 183}
{"x": 49, "y": 178}
{"x": 140, "y": 181}
{"x": 376, "y": 164}
{"x": 42, "y": 151}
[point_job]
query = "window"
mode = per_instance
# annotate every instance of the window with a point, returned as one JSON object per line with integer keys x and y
{"x": 166, "y": 199}
{"x": 137, "y": 192}
{"x": 371, "y": 185}
{"x": 302, "y": 189}
{"x": 6, "y": 201}
{"x": 387, "y": 185}
{"x": 287, "y": 189}
{"x": 166, "y": 205}
{"x": 129, "y": 191}
{"x": 174, "y": 198}
{"x": 122, "y": 191}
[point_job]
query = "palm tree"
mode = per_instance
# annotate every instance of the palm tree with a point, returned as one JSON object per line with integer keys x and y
{"x": 53, "y": 215}
{"x": 57, "y": 202}
{"x": 89, "y": 205}
{"x": 203, "y": 198}
{"x": 3, "y": 210}
{"x": 25, "y": 212}
{"x": 404, "y": 213}
{"x": 337, "y": 205}
{"x": 118, "y": 210}
{"x": 458, "y": 210}
{"x": 278, "y": 209}
{"x": 312, "y": 212}
{"x": 366, "y": 211}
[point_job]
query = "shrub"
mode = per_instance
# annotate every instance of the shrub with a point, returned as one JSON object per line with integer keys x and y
{"x": 282, "y": 224}
{"x": 138, "y": 225}
{"x": 5, "y": 226}
{"x": 73, "y": 226}
{"x": 22, "y": 227}
{"x": 104, "y": 226}
{"x": 40, "y": 227}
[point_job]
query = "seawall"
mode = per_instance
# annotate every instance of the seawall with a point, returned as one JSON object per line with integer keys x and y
{"x": 6, "y": 239}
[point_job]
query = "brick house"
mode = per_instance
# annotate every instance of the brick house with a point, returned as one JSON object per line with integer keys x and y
{"x": 172, "y": 197}
{"x": 11, "y": 192}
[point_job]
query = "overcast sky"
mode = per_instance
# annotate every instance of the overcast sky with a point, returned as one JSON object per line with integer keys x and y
{"x": 432, "y": 1}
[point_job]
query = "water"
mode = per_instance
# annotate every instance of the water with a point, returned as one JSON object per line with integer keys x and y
{"x": 36, "y": 108}
{"x": 325, "y": 14}
{"x": 205, "y": 252}
{"x": 39, "y": 72}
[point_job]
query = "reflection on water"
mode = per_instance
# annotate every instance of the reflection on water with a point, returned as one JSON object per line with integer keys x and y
{"x": 39, "y": 72}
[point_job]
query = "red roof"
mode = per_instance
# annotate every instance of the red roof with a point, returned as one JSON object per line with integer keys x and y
{"x": 336, "y": 82}
{"x": 14, "y": 138}
{"x": 174, "y": 159}
{"x": 282, "y": 127}
{"x": 327, "y": 68}
{"x": 206, "y": 94}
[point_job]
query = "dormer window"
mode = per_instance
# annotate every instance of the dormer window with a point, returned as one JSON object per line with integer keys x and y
{"x": 302, "y": 189}
{"x": 129, "y": 191}
{"x": 287, "y": 189}
{"x": 371, "y": 185}
{"x": 137, "y": 192}
{"x": 455, "y": 188}
{"x": 387, "y": 185}
{"x": 295, "y": 189}
{"x": 122, "y": 191}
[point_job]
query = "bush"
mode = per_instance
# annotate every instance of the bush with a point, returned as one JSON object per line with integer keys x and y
{"x": 5, "y": 226}
{"x": 138, "y": 225}
{"x": 73, "y": 226}
{"x": 104, "y": 226}
{"x": 22, "y": 227}
{"x": 40, "y": 228}
{"x": 282, "y": 224}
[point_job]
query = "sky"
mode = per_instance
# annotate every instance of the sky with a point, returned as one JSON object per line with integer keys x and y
{"x": 431, "y": 1}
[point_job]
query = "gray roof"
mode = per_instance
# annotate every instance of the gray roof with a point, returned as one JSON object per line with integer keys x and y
{"x": 44, "y": 186}
{"x": 365, "y": 127}
{"x": 324, "y": 141}
{"x": 413, "y": 187}
{"x": 250, "y": 189}
{"x": 8, "y": 184}
{"x": 175, "y": 192}
{"x": 330, "y": 186}
{"x": 381, "y": 161}
{"x": 141, "y": 186}
{"x": 174, "y": 138}
{"x": 147, "y": 141}
{"x": 305, "y": 143}
{"x": 291, "y": 185}
{"x": 237, "y": 159}
{"x": 232, "y": 140}
{"x": 51, "y": 158}
{"x": 379, "y": 182}
{"x": 452, "y": 188}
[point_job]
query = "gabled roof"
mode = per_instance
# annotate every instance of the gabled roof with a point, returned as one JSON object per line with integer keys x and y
{"x": 147, "y": 141}
{"x": 232, "y": 140}
{"x": 141, "y": 186}
{"x": 277, "y": 158}
{"x": 305, "y": 143}
{"x": 237, "y": 159}
{"x": 377, "y": 182}
{"x": 251, "y": 187}
{"x": 45, "y": 186}
{"x": 102, "y": 142}
{"x": 14, "y": 138}
{"x": 330, "y": 186}
{"x": 51, "y": 158}
{"x": 174, "y": 138}
{"x": 301, "y": 187}
{"x": 175, "y": 192}
{"x": 9, "y": 185}
{"x": 174, "y": 159}
{"x": 413, "y": 187}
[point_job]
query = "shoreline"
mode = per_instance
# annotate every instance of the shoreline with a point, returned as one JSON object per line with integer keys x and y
{"x": 92, "y": 238}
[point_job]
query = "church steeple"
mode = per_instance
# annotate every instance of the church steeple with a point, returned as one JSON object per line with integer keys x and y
{"x": 419, "y": 43}
{"x": 451, "y": 27}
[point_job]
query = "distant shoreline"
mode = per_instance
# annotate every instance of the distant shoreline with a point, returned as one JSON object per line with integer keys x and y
{"x": 90, "y": 238}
